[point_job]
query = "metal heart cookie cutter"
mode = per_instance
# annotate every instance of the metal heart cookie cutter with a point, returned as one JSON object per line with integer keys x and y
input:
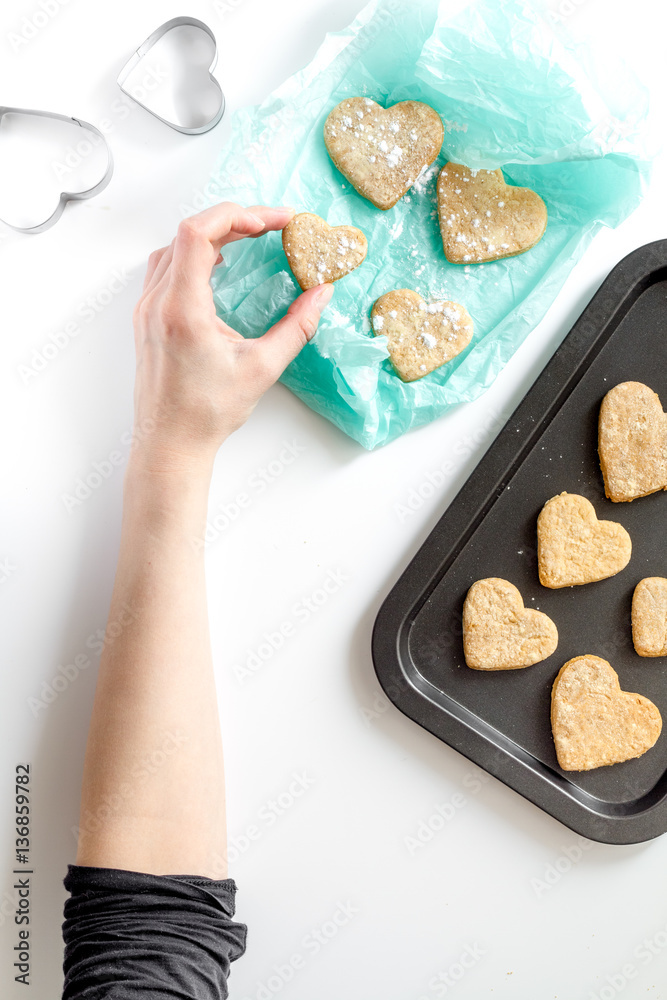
{"x": 170, "y": 76}
{"x": 64, "y": 196}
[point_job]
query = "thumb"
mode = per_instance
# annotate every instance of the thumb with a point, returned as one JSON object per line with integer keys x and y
{"x": 283, "y": 341}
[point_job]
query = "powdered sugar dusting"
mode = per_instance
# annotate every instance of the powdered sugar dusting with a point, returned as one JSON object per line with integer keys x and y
{"x": 467, "y": 224}
{"x": 355, "y": 128}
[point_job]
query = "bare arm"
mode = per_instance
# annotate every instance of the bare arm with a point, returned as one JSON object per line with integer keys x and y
{"x": 153, "y": 783}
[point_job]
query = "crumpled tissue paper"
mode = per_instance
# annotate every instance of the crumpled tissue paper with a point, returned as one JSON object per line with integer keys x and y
{"x": 511, "y": 94}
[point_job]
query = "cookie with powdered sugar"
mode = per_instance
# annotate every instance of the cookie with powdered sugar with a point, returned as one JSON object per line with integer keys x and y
{"x": 318, "y": 252}
{"x": 382, "y": 151}
{"x": 421, "y": 335}
{"x": 482, "y": 218}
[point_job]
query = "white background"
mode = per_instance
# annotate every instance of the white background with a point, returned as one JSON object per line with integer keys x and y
{"x": 314, "y": 707}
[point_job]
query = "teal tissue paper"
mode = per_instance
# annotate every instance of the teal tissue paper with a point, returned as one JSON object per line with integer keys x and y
{"x": 511, "y": 94}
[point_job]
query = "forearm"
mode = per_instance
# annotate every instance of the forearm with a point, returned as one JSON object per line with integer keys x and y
{"x": 153, "y": 785}
{"x": 153, "y": 797}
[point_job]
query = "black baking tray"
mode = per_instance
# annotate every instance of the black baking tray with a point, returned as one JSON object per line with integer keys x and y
{"x": 501, "y": 720}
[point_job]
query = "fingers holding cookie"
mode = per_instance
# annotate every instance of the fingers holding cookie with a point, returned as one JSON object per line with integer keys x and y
{"x": 200, "y": 237}
{"x": 281, "y": 344}
{"x": 318, "y": 253}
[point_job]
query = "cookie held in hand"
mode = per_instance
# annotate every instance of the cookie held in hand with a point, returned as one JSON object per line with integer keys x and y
{"x": 632, "y": 442}
{"x": 594, "y": 723}
{"x": 499, "y": 633}
{"x": 382, "y": 151}
{"x": 649, "y": 616}
{"x": 318, "y": 252}
{"x": 574, "y": 548}
{"x": 482, "y": 218}
{"x": 421, "y": 336}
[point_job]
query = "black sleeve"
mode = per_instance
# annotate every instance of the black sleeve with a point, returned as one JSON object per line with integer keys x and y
{"x": 132, "y": 936}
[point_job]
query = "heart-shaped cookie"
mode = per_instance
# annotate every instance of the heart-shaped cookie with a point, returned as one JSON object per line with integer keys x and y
{"x": 482, "y": 218}
{"x": 318, "y": 252}
{"x": 421, "y": 336}
{"x": 382, "y": 151}
{"x": 499, "y": 633}
{"x": 593, "y": 722}
{"x": 649, "y": 616}
{"x": 573, "y": 547}
{"x": 632, "y": 442}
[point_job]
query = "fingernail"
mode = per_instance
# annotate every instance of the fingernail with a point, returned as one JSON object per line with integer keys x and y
{"x": 287, "y": 208}
{"x": 324, "y": 296}
{"x": 260, "y": 222}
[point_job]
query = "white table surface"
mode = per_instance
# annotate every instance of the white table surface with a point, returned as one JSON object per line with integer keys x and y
{"x": 492, "y": 905}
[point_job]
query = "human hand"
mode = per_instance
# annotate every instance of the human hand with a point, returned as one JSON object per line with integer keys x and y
{"x": 197, "y": 378}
